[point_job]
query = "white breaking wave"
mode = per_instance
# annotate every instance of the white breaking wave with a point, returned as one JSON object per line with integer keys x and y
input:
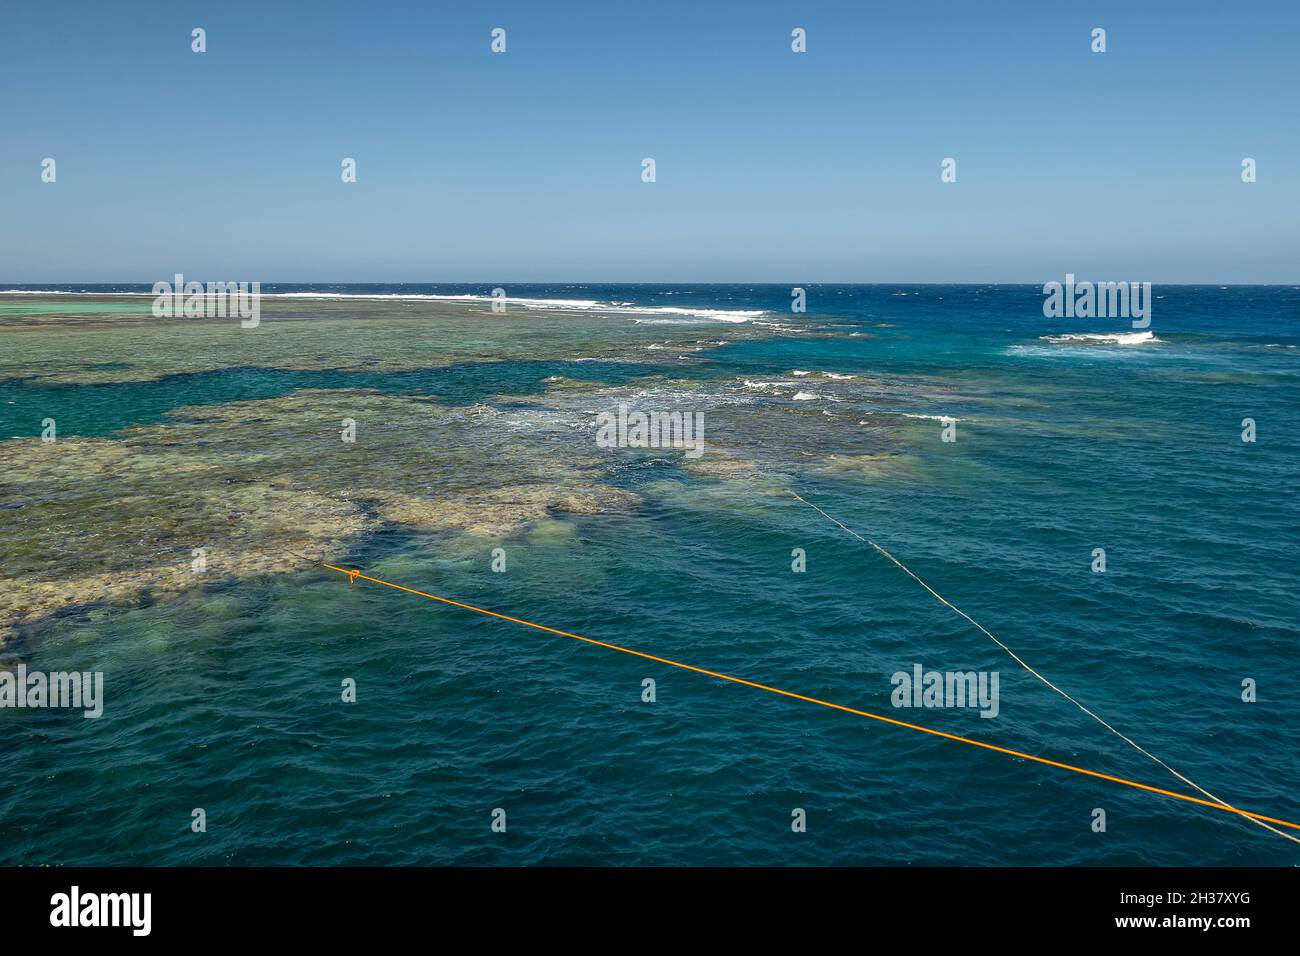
{"x": 560, "y": 305}
{"x": 834, "y": 375}
{"x": 720, "y": 315}
{"x": 563, "y": 305}
{"x": 1101, "y": 338}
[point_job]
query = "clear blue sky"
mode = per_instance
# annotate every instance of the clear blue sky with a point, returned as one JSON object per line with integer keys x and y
{"x": 772, "y": 166}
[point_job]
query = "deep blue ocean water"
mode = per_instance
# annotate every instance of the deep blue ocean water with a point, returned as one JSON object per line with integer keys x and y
{"x": 228, "y": 699}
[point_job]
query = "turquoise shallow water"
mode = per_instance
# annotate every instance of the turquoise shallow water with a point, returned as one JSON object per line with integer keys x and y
{"x": 228, "y": 698}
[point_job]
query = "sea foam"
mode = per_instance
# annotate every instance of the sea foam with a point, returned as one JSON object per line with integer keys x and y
{"x": 1101, "y": 338}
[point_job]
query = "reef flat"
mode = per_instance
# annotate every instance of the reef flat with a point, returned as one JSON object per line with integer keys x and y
{"x": 125, "y": 505}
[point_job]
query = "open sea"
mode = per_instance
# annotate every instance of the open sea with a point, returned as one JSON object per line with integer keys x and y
{"x": 475, "y": 431}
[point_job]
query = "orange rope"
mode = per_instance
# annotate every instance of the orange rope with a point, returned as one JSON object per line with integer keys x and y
{"x": 353, "y": 575}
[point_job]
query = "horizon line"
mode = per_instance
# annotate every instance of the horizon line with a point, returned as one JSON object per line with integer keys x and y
{"x": 643, "y": 282}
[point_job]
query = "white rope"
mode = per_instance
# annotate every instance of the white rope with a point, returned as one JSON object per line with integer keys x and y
{"x": 1016, "y": 657}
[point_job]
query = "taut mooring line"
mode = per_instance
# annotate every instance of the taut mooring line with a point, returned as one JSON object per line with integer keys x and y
{"x": 1016, "y": 657}
{"x": 355, "y": 575}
